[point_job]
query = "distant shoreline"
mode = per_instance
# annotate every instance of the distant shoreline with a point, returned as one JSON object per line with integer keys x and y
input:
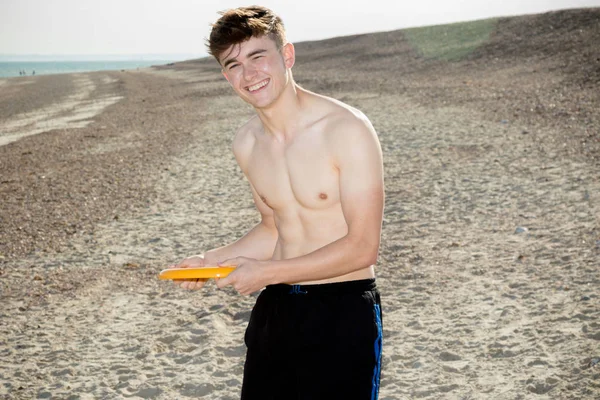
{"x": 9, "y": 69}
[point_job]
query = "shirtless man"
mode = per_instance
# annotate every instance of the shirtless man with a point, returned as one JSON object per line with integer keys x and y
{"x": 315, "y": 170}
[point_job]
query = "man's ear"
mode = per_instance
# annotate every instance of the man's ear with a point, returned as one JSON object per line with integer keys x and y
{"x": 289, "y": 55}
{"x": 225, "y": 75}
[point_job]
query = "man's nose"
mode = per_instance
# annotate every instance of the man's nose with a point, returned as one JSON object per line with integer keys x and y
{"x": 249, "y": 72}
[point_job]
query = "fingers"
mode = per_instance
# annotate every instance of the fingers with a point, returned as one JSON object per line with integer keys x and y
{"x": 192, "y": 262}
{"x": 184, "y": 264}
{"x": 199, "y": 284}
{"x": 229, "y": 279}
{"x": 191, "y": 284}
{"x": 198, "y": 262}
{"x": 222, "y": 282}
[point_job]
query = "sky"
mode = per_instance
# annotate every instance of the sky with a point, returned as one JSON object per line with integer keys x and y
{"x": 84, "y": 28}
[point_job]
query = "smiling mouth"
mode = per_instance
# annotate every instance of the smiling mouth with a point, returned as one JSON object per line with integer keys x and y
{"x": 258, "y": 86}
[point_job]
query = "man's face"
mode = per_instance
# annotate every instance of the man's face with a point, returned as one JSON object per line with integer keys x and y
{"x": 257, "y": 70}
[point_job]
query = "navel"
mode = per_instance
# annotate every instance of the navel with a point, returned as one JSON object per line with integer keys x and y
{"x": 323, "y": 196}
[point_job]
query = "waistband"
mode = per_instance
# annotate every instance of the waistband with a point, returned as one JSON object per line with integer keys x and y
{"x": 360, "y": 286}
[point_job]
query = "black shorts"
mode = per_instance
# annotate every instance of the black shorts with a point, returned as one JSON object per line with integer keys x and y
{"x": 312, "y": 342}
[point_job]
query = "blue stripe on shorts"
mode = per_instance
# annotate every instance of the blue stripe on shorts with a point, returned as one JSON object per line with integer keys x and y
{"x": 378, "y": 347}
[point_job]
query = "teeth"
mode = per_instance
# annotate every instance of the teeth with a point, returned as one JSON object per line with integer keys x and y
{"x": 258, "y": 86}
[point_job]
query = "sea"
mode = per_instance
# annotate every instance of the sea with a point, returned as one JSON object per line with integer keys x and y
{"x": 19, "y": 68}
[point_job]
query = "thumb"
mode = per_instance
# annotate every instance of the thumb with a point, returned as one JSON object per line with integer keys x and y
{"x": 222, "y": 282}
{"x": 231, "y": 262}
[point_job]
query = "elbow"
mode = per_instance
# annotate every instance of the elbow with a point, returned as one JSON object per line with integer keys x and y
{"x": 367, "y": 251}
{"x": 371, "y": 258}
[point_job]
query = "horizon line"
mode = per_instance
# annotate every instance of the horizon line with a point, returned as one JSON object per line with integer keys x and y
{"x": 100, "y": 57}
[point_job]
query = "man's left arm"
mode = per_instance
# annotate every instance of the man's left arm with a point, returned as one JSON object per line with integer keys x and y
{"x": 358, "y": 157}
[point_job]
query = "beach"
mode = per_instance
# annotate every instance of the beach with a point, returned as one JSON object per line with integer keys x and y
{"x": 489, "y": 265}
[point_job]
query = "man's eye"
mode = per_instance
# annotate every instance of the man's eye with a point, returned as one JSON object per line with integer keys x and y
{"x": 232, "y": 66}
{"x": 257, "y": 57}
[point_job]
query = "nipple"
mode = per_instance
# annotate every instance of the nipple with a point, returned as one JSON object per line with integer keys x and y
{"x": 323, "y": 196}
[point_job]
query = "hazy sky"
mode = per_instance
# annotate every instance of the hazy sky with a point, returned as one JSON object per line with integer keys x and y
{"x": 180, "y": 26}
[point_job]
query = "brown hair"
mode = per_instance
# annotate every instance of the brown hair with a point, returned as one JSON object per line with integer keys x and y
{"x": 240, "y": 24}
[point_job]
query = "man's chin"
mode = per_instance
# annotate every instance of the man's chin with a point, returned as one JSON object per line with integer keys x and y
{"x": 258, "y": 104}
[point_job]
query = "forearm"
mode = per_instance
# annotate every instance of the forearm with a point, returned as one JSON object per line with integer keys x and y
{"x": 338, "y": 258}
{"x": 258, "y": 243}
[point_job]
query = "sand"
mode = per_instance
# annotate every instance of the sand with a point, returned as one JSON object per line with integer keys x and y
{"x": 488, "y": 268}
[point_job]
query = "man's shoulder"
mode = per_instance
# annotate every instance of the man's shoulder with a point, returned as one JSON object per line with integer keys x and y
{"x": 344, "y": 123}
{"x": 248, "y": 129}
{"x": 244, "y": 139}
{"x": 246, "y": 133}
{"x": 340, "y": 117}
{"x": 346, "y": 129}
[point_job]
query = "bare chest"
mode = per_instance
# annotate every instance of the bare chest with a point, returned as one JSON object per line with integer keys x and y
{"x": 302, "y": 174}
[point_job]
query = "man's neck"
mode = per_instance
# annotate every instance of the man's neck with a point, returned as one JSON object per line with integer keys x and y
{"x": 283, "y": 118}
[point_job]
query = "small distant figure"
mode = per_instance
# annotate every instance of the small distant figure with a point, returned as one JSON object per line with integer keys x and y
{"x": 33, "y": 73}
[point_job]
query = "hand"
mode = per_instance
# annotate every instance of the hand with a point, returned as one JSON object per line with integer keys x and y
{"x": 248, "y": 276}
{"x": 191, "y": 262}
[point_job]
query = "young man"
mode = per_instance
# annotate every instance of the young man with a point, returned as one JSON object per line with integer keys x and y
{"x": 315, "y": 170}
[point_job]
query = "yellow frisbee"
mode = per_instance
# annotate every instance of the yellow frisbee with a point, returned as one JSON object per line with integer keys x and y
{"x": 195, "y": 273}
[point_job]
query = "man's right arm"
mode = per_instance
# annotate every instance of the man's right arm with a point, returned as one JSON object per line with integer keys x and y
{"x": 258, "y": 243}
